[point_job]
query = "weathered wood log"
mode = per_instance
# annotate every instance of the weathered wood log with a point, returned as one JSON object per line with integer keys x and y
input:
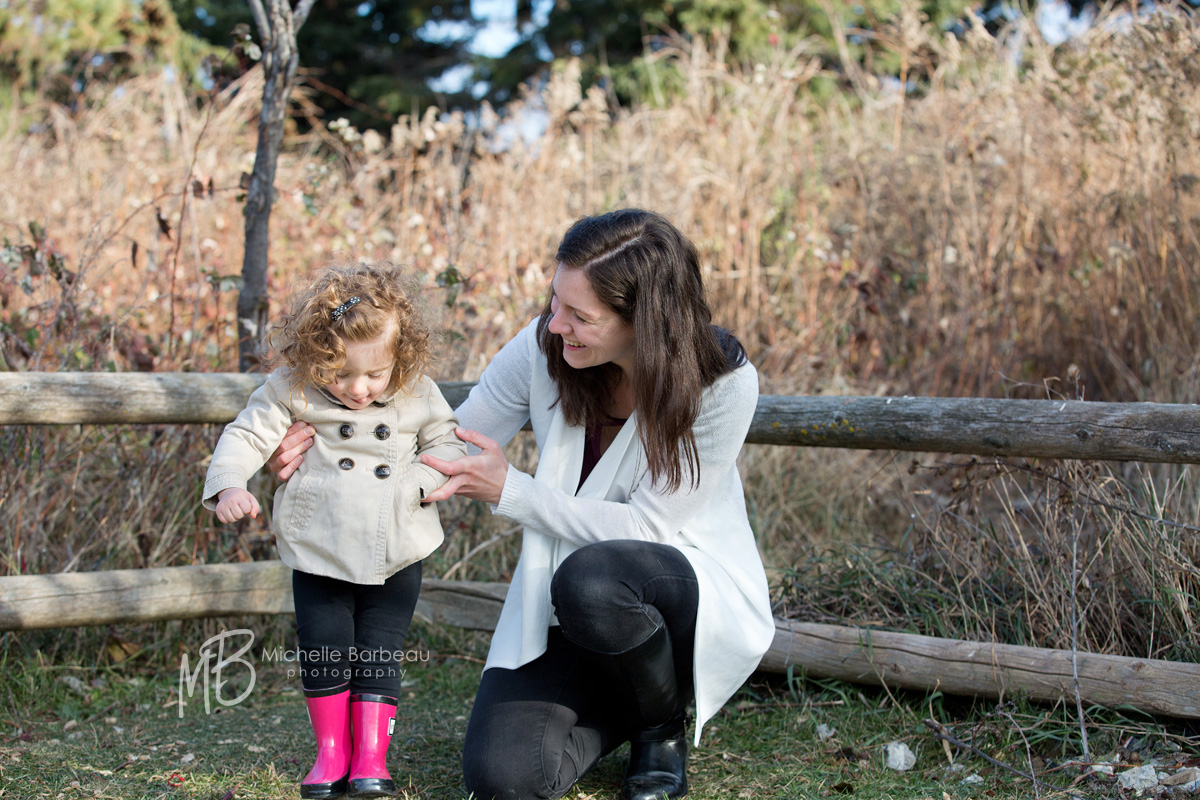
{"x": 29, "y": 602}
{"x": 99, "y": 398}
{"x": 143, "y": 595}
{"x": 897, "y": 660}
{"x": 925, "y": 663}
{"x": 1151, "y": 432}
{"x": 461, "y": 604}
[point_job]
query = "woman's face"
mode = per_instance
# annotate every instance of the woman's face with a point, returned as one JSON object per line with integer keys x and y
{"x": 592, "y": 333}
{"x": 364, "y": 377}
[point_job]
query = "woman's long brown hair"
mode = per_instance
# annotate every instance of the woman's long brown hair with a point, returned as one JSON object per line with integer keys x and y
{"x": 648, "y": 272}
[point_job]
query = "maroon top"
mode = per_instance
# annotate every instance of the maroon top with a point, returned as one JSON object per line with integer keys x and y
{"x": 591, "y": 447}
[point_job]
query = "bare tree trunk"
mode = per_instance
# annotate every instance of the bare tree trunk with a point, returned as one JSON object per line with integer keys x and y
{"x": 277, "y": 28}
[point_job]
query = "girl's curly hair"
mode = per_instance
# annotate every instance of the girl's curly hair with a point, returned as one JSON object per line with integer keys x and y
{"x": 311, "y": 342}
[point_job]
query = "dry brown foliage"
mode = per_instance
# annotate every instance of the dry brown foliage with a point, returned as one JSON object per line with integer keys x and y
{"x": 980, "y": 236}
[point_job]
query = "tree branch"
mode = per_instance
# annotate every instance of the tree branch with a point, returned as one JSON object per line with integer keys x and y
{"x": 300, "y": 14}
{"x": 260, "y": 20}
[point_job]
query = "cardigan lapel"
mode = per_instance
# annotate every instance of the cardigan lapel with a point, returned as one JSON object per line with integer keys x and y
{"x": 561, "y": 459}
{"x": 604, "y": 474}
{"x": 559, "y": 465}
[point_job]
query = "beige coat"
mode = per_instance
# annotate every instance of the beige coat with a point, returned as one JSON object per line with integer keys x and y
{"x": 353, "y": 509}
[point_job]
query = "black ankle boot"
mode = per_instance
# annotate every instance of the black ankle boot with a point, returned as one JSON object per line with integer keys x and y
{"x": 657, "y": 766}
{"x": 658, "y": 751}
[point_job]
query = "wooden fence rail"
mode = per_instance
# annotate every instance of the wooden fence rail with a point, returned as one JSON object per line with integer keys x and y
{"x": 30, "y": 602}
{"x": 897, "y": 660}
{"x": 1149, "y": 432}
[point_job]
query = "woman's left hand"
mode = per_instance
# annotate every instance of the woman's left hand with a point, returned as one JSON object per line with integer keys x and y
{"x": 478, "y": 477}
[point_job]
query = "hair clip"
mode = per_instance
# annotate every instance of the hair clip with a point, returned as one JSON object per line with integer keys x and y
{"x": 340, "y": 311}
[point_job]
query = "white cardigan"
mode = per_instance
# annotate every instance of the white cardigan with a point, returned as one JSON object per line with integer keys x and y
{"x": 708, "y": 524}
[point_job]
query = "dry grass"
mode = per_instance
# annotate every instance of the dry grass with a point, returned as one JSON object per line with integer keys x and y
{"x": 979, "y": 236}
{"x": 992, "y": 550}
{"x": 96, "y": 498}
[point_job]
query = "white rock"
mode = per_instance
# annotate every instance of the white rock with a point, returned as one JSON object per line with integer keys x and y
{"x": 897, "y": 756}
{"x": 1138, "y": 778}
{"x": 1188, "y": 775}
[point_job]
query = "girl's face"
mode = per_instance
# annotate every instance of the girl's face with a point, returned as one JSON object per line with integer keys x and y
{"x": 364, "y": 377}
{"x": 592, "y": 333}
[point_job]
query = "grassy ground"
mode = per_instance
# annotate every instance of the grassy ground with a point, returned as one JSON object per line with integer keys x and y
{"x": 115, "y": 732}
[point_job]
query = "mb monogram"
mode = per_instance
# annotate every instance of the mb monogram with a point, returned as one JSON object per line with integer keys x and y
{"x": 217, "y": 655}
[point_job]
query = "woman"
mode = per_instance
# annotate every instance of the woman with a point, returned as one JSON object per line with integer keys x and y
{"x": 639, "y": 585}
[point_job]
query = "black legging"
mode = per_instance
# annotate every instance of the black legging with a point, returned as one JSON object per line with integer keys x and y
{"x": 535, "y": 730}
{"x": 351, "y": 635}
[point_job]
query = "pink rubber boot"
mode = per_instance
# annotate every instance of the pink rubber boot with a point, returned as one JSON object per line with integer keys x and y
{"x": 374, "y": 718}
{"x": 330, "y": 717}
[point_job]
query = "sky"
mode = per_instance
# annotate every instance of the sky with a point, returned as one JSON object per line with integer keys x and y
{"x": 497, "y": 36}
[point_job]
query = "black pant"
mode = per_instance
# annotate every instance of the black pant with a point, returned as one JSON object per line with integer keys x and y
{"x": 352, "y": 635}
{"x": 534, "y": 731}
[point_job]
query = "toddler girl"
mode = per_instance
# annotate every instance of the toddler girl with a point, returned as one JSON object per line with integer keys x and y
{"x": 350, "y": 522}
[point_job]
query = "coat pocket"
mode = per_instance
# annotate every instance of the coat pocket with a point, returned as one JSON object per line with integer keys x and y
{"x": 416, "y": 531}
{"x": 414, "y": 493}
{"x": 297, "y": 503}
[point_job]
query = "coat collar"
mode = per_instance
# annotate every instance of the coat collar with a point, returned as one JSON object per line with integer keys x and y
{"x": 561, "y": 460}
{"x": 384, "y": 400}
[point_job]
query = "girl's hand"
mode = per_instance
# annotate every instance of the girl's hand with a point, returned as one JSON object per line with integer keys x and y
{"x": 233, "y": 504}
{"x": 478, "y": 477}
{"x": 287, "y": 457}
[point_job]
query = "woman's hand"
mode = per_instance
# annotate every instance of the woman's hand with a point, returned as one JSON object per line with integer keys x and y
{"x": 478, "y": 477}
{"x": 287, "y": 457}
